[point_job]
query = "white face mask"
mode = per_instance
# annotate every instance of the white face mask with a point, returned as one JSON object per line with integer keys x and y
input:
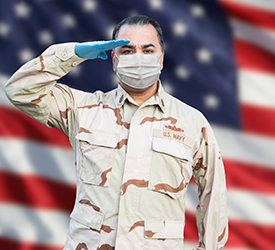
{"x": 138, "y": 70}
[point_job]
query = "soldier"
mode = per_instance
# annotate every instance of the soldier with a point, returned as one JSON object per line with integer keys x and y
{"x": 136, "y": 147}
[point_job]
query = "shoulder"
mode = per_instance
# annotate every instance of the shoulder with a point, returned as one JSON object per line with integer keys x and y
{"x": 189, "y": 118}
{"x": 173, "y": 105}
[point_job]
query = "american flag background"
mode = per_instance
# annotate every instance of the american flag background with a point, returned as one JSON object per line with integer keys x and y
{"x": 219, "y": 58}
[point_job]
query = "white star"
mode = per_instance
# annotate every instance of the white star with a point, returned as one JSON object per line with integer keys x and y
{"x": 45, "y": 37}
{"x": 76, "y": 70}
{"x": 168, "y": 87}
{"x": 114, "y": 79}
{"x": 204, "y": 55}
{"x": 26, "y": 55}
{"x": 179, "y": 28}
{"x": 166, "y": 47}
{"x": 4, "y": 29}
{"x": 22, "y": 10}
{"x": 109, "y": 30}
{"x": 132, "y": 13}
{"x": 182, "y": 72}
{"x": 211, "y": 101}
{"x": 68, "y": 20}
{"x": 155, "y": 4}
{"x": 89, "y": 5}
{"x": 197, "y": 10}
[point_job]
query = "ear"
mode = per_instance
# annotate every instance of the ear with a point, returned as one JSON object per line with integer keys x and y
{"x": 161, "y": 58}
{"x": 114, "y": 60}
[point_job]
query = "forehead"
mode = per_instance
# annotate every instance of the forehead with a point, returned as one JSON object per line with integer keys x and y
{"x": 139, "y": 34}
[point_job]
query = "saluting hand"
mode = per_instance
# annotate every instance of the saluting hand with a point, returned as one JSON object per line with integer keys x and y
{"x": 92, "y": 50}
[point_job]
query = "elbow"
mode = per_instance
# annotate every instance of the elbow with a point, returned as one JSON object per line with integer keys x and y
{"x": 11, "y": 92}
{"x": 8, "y": 91}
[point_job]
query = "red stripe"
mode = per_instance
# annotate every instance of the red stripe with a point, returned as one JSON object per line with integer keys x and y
{"x": 15, "y": 124}
{"x": 252, "y": 57}
{"x": 244, "y": 234}
{"x": 241, "y": 234}
{"x": 248, "y": 14}
{"x": 246, "y": 176}
{"x": 258, "y": 120}
{"x": 191, "y": 230}
{"x": 36, "y": 192}
{"x": 8, "y": 244}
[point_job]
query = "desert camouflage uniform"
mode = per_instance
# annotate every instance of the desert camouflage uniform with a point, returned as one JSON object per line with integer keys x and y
{"x": 133, "y": 163}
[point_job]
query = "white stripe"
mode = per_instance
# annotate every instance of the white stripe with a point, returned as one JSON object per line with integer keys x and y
{"x": 37, "y": 226}
{"x": 268, "y": 5}
{"x": 257, "y": 88}
{"x": 242, "y": 205}
{"x": 258, "y": 36}
{"x": 239, "y": 146}
{"x": 189, "y": 245}
{"x": 24, "y": 157}
{"x": 253, "y": 207}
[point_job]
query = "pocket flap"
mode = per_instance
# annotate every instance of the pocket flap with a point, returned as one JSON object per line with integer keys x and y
{"x": 87, "y": 216}
{"x": 99, "y": 138}
{"x": 171, "y": 147}
{"x": 164, "y": 229}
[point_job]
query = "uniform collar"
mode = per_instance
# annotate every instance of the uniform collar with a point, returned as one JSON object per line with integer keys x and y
{"x": 157, "y": 99}
{"x": 121, "y": 96}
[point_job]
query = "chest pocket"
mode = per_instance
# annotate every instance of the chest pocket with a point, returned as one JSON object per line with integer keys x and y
{"x": 171, "y": 167}
{"x": 97, "y": 156}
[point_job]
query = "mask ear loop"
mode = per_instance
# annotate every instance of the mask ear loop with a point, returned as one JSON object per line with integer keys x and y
{"x": 118, "y": 61}
{"x": 160, "y": 54}
{"x": 115, "y": 55}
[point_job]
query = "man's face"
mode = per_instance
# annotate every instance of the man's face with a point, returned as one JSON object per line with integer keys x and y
{"x": 143, "y": 39}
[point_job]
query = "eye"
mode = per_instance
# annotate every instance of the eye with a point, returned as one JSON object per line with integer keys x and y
{"x": 148, "y": 51}
{"x": 125, "y": 52}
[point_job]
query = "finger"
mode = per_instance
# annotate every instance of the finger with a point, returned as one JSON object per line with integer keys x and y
{"x": 108, "y": 45}
{"x": 102, "y": 55}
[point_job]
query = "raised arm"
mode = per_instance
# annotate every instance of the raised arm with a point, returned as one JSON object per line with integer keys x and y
{"x": 34, "y": 89}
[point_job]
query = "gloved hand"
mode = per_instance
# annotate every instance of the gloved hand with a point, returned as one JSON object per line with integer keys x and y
{"x": 92, "y": 50}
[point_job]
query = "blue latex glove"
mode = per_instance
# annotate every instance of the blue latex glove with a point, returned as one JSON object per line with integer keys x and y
{"x": 92, "y": 50}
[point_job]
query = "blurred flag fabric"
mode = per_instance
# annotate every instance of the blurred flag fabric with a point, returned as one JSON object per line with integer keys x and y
{"x": 219, "y": 58}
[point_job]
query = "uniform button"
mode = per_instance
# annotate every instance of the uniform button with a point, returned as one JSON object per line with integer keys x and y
{"x": 64, "y": 55}
{"x": 74, "y": 64}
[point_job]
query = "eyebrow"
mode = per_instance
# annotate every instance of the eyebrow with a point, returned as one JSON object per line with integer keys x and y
{"x": 143, "y": 46}
{"x": 148, "y": 45}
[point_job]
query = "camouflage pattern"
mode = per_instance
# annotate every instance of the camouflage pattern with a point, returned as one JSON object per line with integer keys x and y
{"x": 133, "y": 163}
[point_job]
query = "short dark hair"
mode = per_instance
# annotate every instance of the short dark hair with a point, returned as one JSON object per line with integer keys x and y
{"x": 140, "y": 20}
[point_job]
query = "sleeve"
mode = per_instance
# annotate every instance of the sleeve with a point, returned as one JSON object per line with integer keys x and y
{"x": 208, "y": 173}
{"x": 34, "y": 89}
